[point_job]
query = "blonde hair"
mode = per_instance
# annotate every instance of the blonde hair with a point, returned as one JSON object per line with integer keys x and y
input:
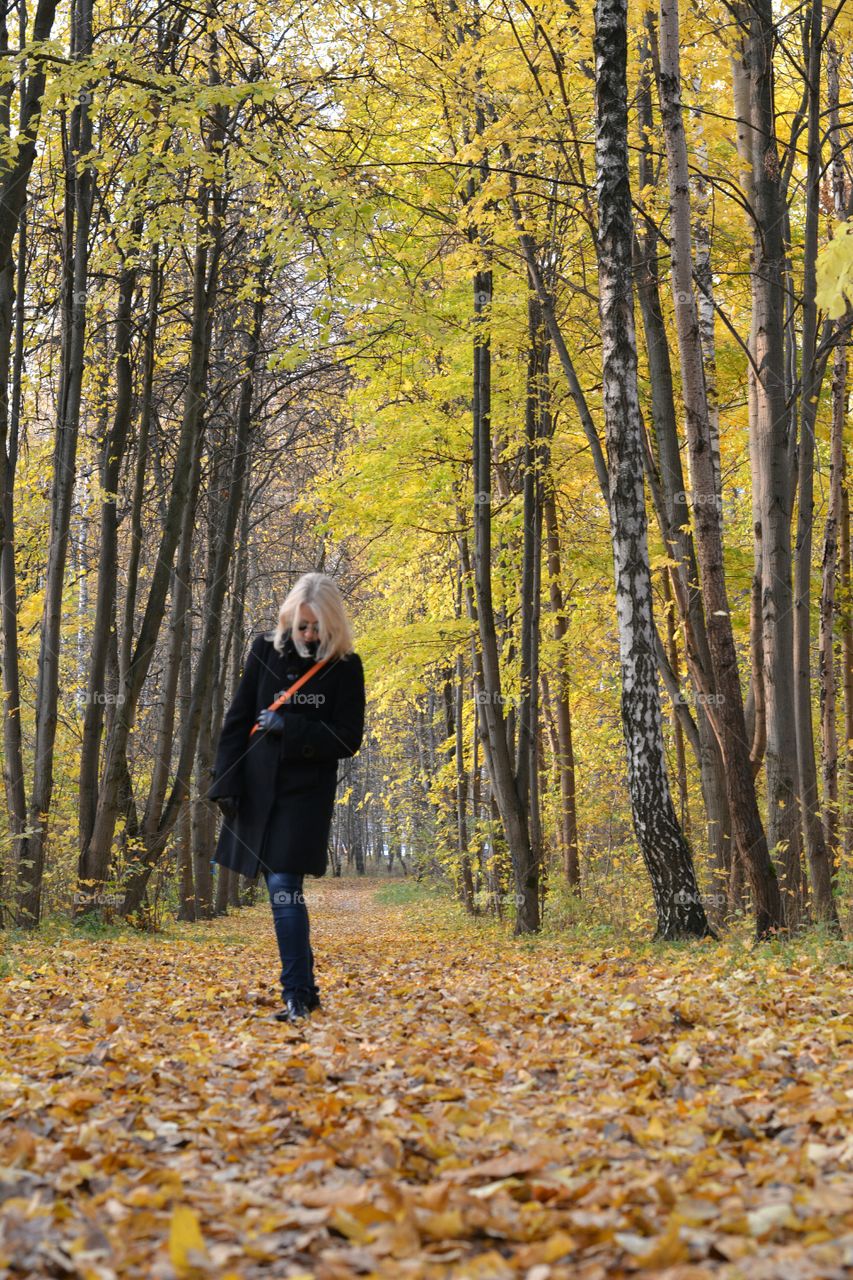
{"x": 320, "y": 592}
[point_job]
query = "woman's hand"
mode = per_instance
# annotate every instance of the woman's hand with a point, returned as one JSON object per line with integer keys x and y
{"x": 271, "y": 721}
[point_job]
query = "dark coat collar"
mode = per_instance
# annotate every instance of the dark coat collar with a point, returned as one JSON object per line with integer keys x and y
{"x": 290, "y": 653}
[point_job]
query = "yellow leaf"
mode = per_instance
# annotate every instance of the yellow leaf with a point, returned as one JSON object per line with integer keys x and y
{"x": 184, "y": 1235}
{"x": 349, "y": 1226}
{"x": 655, "y": 1128}
{"x": 557, "y": 1245}
{"x": 665, "y": 1251}
{"x": 769, "y": 1217}
{"x": 442, "y": 1226}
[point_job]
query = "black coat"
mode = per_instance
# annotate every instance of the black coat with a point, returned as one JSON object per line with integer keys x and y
{"x": 286, "y": 782}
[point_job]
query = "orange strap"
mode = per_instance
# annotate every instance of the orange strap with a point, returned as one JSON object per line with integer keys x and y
{"x": 297, "y": 684}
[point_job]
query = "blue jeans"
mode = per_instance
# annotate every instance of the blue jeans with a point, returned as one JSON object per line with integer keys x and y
{"x": 290, "y": 917}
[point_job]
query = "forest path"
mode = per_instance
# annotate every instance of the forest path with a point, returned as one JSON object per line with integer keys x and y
{"x": 466, "y": 1105}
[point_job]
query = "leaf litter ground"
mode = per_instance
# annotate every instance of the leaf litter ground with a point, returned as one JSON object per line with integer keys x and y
{"x": 465, "y": 1106}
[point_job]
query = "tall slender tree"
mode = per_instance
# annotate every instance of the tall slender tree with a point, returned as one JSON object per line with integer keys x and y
{"x": 665, "y": 851}
{"x": 743, "y": 805}
{"x": 773, "y": 482}
{"x": 79, "y": 201}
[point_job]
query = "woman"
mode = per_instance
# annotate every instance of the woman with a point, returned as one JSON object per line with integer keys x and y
{"x": 276, "y": 785}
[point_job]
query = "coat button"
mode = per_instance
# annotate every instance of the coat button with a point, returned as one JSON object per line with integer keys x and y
{"x": 307, "y": 750}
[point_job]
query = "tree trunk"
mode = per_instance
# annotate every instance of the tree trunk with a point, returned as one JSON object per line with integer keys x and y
{"x": 506, "y": 795}
{"x": 186, "y": 883}
{"x": 461, "y": 775}
{"x": 665, "y": 851}
{"x": 11, "y": 373}
{"x": 704, "y": 274}
{"x": 743, "y": 805}
{"x": 177, "y": 674}
{"x": 562, "y": 702}
{"x": 235, "y": 646}
{"x": 200, "y": 821}
{"x": 674, "y": 520}
{"x": 773, "y": 481}
{"x": 527, "y": 745}
{"x": 745, "y": 140}
{"x": 846, "y": 663}
{"x": 14, "y": 177}
{"x": 826, "y": 637}
{"x": 79, "y": 197}
{"x": 675, "y": 723}
{"x": 820, "y": 869}
{"x": 112, "y": 459}
{"x": 146, "y": 414}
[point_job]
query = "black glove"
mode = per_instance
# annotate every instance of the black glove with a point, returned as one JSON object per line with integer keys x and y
{"x": 271, "y": 721}
{"x": 228, "y": 806}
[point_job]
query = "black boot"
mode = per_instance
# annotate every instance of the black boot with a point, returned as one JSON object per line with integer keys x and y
{"x": 295, "y": 1009}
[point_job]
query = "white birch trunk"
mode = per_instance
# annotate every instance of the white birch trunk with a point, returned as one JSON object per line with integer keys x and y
{"x": 665, "y": 851}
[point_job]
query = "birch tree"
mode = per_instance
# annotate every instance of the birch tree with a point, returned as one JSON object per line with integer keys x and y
{"x": 665, "y": 851}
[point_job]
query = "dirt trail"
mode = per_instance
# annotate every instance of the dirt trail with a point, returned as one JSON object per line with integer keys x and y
{"x": 464, "y": 1107}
